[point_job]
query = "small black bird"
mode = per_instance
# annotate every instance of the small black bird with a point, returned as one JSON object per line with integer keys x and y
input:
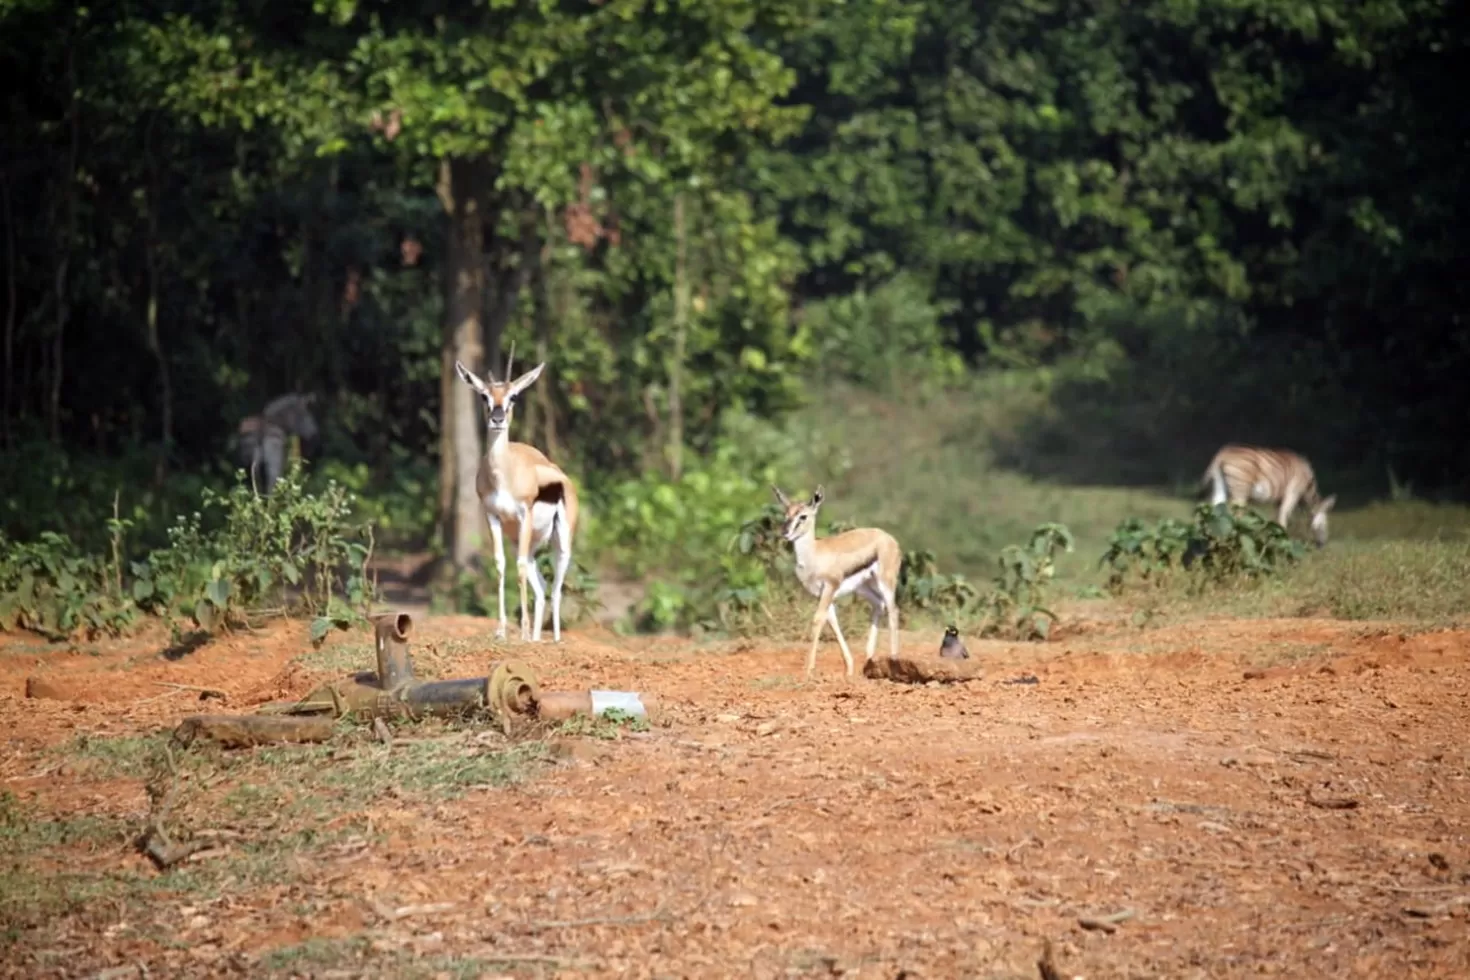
{"x": 952, "y": 647}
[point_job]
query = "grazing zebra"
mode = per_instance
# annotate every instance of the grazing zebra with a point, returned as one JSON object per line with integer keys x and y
{"x": 1239, "y": 474}
{"x": 263, "y": 437}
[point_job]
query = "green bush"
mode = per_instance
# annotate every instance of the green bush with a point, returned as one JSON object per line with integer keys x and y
{"x": 883, "y": 337}
{"x": 1017, "y": 604}
{"x": 679, "y": 536}
{"x": 240, "y": 555}
{"x": 288, "y": 552}
{"x": 923, "y": 587}
{"x": 47, "y": 586}
{"x": 1221, "y": 546}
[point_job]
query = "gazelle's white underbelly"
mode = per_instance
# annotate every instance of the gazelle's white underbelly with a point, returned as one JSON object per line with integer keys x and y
{"x": 503, "y": 506}
{"x": 863, "y": 576}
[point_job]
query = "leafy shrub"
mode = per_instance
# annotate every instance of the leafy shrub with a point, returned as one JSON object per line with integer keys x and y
{"x": 1221, "y": 546}
{"x": 882, "y": 337}
{"x": 683, "y": 536}
{"x": 922, "y": 586}
{"x": 1017, "y": 604}
{"x": 239, "y": 555}
{"x": 49, "y": 587}
{"x": 290, "y": 551}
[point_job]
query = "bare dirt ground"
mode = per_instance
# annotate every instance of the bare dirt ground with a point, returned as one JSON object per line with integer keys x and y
{"x": 1302, "y": 819}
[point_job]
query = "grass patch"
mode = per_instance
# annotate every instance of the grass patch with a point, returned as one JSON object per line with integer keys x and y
{"x": 34, "y": 890}
{"x": 265, "y": 809}
{"x": 922, "y": 469}
{"x": 127, "y": 757}
{"x": 340, "y": 659}
{"x": 1416, "y": 581}
{"x": 925, "y": 467}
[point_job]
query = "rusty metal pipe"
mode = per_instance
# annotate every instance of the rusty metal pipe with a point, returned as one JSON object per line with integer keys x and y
{"x": 395, "y": 667}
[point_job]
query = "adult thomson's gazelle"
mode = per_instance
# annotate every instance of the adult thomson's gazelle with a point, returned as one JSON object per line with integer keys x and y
{"x": 1239, "y": 474}
{"x": 525, "y": 495}
{"x": 864, "y": 560}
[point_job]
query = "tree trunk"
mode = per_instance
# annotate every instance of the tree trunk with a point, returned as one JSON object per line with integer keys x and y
{"x": 462, "y": 192}
{"x": 681, "y": 332}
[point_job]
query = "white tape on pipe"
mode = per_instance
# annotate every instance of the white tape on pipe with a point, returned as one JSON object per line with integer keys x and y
{"x": 625, "y": 701}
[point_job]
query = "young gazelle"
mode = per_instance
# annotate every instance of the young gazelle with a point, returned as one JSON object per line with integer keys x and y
{"x": 525, "y": 495}
{"x": 864, "y": 560}
{"x": 1239, "y": 474}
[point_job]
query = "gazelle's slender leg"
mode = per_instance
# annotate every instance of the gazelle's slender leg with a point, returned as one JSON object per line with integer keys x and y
{"x": 818, "y": 620}
{"x": 891, "y": 602}
{"x": 875, "y": 600}
{"x": 841, "y": 640}
{"x": 538, "y": 586}
{"x": 526, "y": 570}
{"x": 561, "y": 555}
{"x": 497, "y": 541}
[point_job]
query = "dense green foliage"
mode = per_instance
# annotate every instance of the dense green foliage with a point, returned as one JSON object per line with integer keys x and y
{"x": 237, "y": 557}
{"x": 1220, "y": 546}
{"x": 1155, "y": 225}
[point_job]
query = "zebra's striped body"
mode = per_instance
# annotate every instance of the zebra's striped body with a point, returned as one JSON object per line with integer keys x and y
{"x": 263, "y": 437}
{"x": 1242, "y": 474}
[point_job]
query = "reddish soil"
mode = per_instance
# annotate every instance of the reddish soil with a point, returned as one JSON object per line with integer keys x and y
{"x": 856, "y": 828}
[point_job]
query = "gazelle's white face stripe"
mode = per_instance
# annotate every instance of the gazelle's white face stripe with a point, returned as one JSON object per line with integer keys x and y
{"x": 499, "y": 397}
{"x": 799, "y": 519}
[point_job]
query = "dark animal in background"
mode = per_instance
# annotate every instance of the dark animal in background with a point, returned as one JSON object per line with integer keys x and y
{"x": 952, "y": 647}
{"x": 263, "y": 437}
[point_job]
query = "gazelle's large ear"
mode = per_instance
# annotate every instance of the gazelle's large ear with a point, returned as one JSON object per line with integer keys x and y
{"x": 525, "y": 380}
{"x": 1326, "y": 505}
{"x": 469, "y": 377}
{"x": 780, "y": 497}
{"x": 817, "y": 496}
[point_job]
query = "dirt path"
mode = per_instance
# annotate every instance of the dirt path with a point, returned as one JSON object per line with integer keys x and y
{"x": 860, "y": 829}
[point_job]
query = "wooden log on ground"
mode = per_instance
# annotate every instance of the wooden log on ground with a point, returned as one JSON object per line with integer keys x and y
{"x": 238, "y": 731}
{"x": 908, "y": 670}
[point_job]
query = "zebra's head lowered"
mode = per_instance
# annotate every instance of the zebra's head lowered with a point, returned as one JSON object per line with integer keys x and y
{"x": 293, "y": 414}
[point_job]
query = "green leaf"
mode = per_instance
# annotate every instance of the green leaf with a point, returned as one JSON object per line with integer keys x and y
{"x": 206, "y": 615}
{"x": 218, "y": 593}
{"x": 320, "y": 627}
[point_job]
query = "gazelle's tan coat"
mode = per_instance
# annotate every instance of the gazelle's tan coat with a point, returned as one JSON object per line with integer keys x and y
{"x": 1240, "y": 474}
{"x": 526, "y": 496}
{"x": 864, "y": 560}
